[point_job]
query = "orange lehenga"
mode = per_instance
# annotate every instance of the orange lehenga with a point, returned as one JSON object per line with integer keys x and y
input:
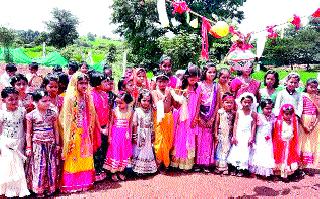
{"x": 81, "y": 139}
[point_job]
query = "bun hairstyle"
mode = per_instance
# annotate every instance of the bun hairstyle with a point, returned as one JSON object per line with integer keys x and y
{"x": 38, "y": 94}
{"x": 205, "y": 70}
{"x": 16, "y": 78}
{"x": 265, "y": 102}
{"x": 127, "y": 98}
{"x": 48, "y": 78}
{"x": 96, "y": 78}
{"x": 7, "y": 91}
{"x": 191, "y": 71}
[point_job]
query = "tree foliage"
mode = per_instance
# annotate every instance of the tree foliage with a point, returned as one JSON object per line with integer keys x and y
{"x": 7, "y": 37}
{"x": 138, "y": 23}
{"x": 183, "y": 48}
{"x": 31, "y": 38}
{"x": 297, "y": 47}
{"x": 62, "y": 28}
{"x": 111, "y": 57}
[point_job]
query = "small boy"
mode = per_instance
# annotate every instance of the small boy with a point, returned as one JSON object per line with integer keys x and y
{"x": 72, "y": 68}
{"x": 164, "y": 124}
{"x": 11, "y": 70}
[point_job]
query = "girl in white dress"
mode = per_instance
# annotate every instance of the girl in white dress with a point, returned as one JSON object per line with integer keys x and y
{"x": 12, "y": 176}
{"x": 143, "y": 133}
{"x": 243, "y": 133}
{"x": 262, "y": 160}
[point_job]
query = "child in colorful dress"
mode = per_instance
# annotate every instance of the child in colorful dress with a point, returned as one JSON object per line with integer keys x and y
{"x": 51, "y": 85}
{"x": 262, "y": 161}
{"x": 244, "y": 131}
{"x": 20, "y": 83}
{"x": 209, "y": 105}
{"x": 80, "y": 135}
{"x": 12, "y": 138}
{"x": 310, "y": 131}
{"x": 120, "y": 138}
{"x": 223, "y": 132}
{"x": 100, "y": 100}
{"x": 289, "y": 95}
{"x": 184, "y": 147}
{"x": 140, "y": 81}
{"x": 34, "y": 79}
{"x": 164, "y": 123}
{"x": 224, "y": 79}
{"x": 42, "y": 146}
{"x": 285, "y": 142}
{"x": 143, "y": 133}
{"x": 271, "y": 83}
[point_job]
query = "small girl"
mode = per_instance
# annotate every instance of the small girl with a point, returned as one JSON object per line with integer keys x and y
{"x": 224, "y": 80}
{"x": 34, "y": 79}
{"x": 285, "y": 142}
{"x": 289, "y": 95}
{"x": 209, "y": 105}
{"x": 62, "y": 83}
{"x": 80, "y": 135}
{"x": 126, "y": 85}
{"x": 20, "y": 83}
{"x": 262, "y": 161}
{"x": 244, "y": 131}
{"x": 84, "y": 67}
{"x": 51, "y": 85}
{"x": 143, "y": 135}
{"x": 184, "y": 147}
{"x": 310, "y": 136}
{"x": 100, "y": 100}
{"x": 223, "y": 132}
{"x": 42, "y": 145}
{"x": 271, "y": 83}
{"x": 12, "y": 138}
{"x": 140, "y": 81}
{"x": 120, "y": 138}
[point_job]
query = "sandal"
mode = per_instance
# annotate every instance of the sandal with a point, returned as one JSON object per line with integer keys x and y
{"x": 114, "y": 177}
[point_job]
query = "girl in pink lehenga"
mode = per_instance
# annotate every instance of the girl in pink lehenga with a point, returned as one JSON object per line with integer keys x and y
{"x": 210, "y": 100}
{"x": 120, "y": 138}
{"x": 184, "y": 149}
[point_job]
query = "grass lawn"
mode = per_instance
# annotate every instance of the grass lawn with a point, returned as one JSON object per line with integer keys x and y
{"x": 304, "y": 75}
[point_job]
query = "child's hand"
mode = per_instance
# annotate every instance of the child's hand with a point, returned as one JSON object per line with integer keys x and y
{"x": 62, "y": 157}
{"x": 28, "y": 152}
{"x": 234, "y": 140}
{"x": 104, "y": 131}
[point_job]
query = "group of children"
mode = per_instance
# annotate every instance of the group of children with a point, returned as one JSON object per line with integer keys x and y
{"x": 74, "y": 129}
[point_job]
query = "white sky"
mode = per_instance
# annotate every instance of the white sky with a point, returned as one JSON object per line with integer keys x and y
{"x": 94, "y": 15}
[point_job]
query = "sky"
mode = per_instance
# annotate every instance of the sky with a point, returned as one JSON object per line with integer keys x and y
{"x": 94, "y": 15}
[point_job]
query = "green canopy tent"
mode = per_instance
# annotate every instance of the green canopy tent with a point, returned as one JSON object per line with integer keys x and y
{"x": 52, "y": 59}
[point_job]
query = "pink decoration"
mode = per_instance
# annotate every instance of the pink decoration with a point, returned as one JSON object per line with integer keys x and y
{"x": 316, "y": 13}
{"x": 205, "y": 44}
{"x": 180, "y": 7}
{"x": 272, "y": 34}
{"x": 296, "y": 22}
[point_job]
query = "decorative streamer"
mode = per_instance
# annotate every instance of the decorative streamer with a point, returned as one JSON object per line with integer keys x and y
{"x": 180, "y": 7}
{"x": 296, "y": 22}
{"x": 162, "y": 11}
{"x": 272, "y": 34}
{"x": 205, "y": 44}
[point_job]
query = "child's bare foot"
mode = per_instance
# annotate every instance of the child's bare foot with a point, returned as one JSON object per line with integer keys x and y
{"x": 121, "y": 176}
{"x": 114, "y": 178}
{"x": 225, "y": 173}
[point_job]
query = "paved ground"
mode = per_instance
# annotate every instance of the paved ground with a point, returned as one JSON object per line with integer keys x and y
{"x": 199, "y": 185}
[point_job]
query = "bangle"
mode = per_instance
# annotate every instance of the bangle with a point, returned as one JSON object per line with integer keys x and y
{"x": 28, "y": 147}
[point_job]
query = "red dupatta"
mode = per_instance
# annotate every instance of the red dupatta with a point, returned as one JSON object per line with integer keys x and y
{"x": 279, "y": 145}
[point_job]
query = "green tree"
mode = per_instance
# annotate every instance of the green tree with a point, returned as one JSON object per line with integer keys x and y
{"x": 139, "y": 24}
{"x": 7, "y": 37}
{"x": 91, "y": 36}
{"x": 111, "y": 57}
{"x": 183, "y": 48}
{"x": 297, "y": 47}
{"x": 62, "y": 28}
